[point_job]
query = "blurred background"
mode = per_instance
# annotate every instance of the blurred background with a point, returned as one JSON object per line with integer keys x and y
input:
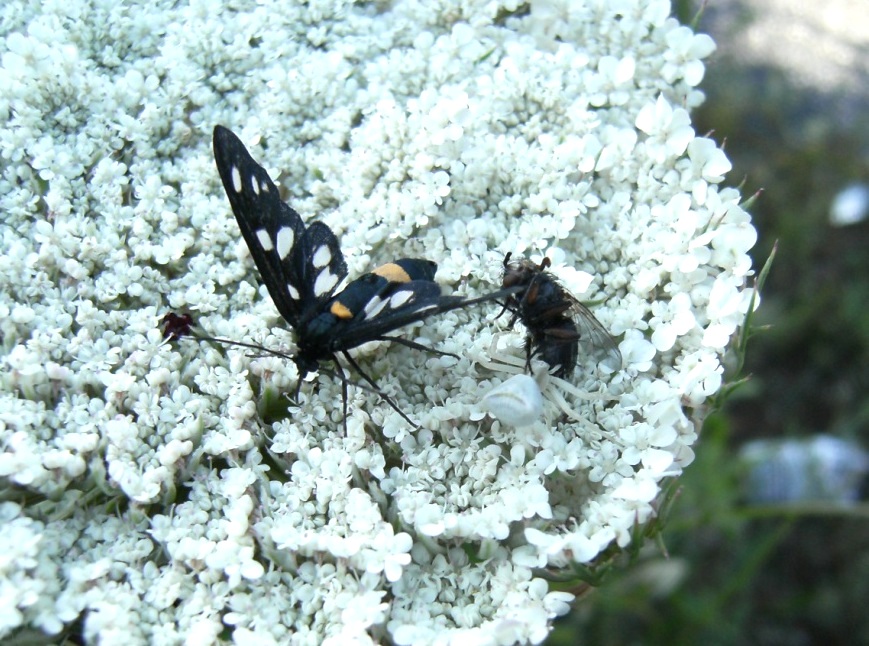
{"x": 766, "y": 539}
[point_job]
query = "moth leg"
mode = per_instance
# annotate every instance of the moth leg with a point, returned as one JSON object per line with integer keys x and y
{"x": 416, "y": 346}
{"x": 377, "y": 389}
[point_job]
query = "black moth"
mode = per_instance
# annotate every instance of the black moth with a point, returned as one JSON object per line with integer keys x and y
{"x": 301, "y": 266}
{"x": 556, "y": 322}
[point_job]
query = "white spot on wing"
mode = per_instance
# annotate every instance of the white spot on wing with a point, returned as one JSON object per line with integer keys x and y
{"x": 325, "y": 283}
{"x": 236, "y": 179}
{"x": 374, "y": 307}
{"x": 264, "y": 240}
{"x": 264, "y": 186}
{"x": 284, "y": 241}
{"x": 254, "y": 184}
{"x": 294, "y": 293}
{"x": 400, "y": 298}
{"x": 322, "y": 256}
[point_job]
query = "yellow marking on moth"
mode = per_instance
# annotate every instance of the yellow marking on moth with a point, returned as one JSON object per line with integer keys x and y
{"x": 340, "y": 310}
{"x": 392, "y": 272}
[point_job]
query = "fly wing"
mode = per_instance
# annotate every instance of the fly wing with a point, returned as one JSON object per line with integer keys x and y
{"x": 594, "y": 340}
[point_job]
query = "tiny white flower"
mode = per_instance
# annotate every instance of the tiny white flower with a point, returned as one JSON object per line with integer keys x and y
{"x": 668, "y": 128}
{"x": 850, "y": 205}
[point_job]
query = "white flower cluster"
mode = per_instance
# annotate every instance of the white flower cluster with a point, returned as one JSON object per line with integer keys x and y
{"x": 156, "y": 502}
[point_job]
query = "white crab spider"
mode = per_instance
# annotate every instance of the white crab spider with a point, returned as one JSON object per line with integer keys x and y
{"x": 518, "y": 401}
